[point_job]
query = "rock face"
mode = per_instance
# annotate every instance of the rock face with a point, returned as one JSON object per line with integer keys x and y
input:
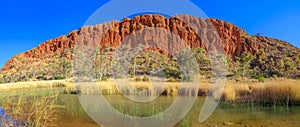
{"x": 193, "y": 31}
{"x": 231, "y": 37}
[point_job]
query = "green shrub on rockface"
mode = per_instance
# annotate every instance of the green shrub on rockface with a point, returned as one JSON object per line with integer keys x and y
{"x": 266, "y": 63}
{"x": 59, "y": 77}
{"x": 104, "y": 78}
{"x": 260, "y": 78}
{"x": 138, "y": 79}
{"x": 146, "y": 78}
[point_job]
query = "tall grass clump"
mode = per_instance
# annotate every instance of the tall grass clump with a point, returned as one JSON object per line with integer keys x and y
{"x": 33, "y": 108}
{"x": 272, "y": 93}
{"x": 275, "y": 94}
{"x": 140, "y": 110}
{"x": 32, "y": 85}
{"x": 229, "y": 94}
{"x": 185, "y": 122}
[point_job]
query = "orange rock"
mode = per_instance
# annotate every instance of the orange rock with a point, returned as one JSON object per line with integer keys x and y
{"x": 232, "y": 40}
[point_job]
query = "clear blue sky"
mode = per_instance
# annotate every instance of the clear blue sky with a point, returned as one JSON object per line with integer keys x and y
{"x": 26, "y": 23}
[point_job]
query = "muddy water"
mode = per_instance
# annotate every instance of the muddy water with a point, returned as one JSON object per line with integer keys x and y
{"x": 73, "y": 115}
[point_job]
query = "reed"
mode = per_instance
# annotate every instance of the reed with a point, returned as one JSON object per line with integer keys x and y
{"x": 276, "y": 94}
{"x": 185, "y": 122}
{"x": 229, "y": 94}
{"x": 34, "y": 107}
{"x": 32, "y": 85}
{"x": 271, "y": 93}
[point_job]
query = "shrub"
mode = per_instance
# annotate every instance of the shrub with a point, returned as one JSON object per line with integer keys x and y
{"x": 59, "y": 77}
{"x": 187, "y": 78}
{"x": 146, "y": 78}
{"x": 104, "y": 78}
{"x": 260, "y": 78}
{"x": 70, "y": 91}
{"x": 40, "y": 78}
{"x": 172, "y": 79}
{"x": 138, "y": 79}
{"x": 168, "y": 76}
{"x": 2, "y": 80}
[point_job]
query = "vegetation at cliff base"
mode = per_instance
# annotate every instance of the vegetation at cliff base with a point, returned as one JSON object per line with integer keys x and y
{"x": 257, "y": 67}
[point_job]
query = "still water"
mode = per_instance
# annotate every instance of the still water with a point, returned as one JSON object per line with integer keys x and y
{"x": 73, "y": 115}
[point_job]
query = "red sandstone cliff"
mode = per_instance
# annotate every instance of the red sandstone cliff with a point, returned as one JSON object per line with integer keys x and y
{"x": 234, "y": 40}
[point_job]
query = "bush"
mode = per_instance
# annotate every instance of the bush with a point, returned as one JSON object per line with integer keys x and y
{"x": 2, "y": 80}
{"x": 59, "y": 77}
{"x": 172, "y": 79}
{"x": 41, "y": 78}
{"x": 70, "y": 91}
{"x": 274, "y": 76}
{"x": 168, "y": 76}
{"x": 260, "y": 78}
{"x": 146, "y": 78}
{"x": 187, "y": 78}
{"x": 138, "y": 79}
{"x": 104, "y": 78}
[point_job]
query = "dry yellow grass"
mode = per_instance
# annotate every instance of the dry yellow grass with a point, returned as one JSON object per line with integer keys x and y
{"x": 270, "y": 93}
{"x": 32, "y": 85}
{"x": 229, "y": 94}
{"x": 275, "y": 91}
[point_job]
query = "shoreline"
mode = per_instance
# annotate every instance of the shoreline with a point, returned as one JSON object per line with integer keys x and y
{"x": 280, "y": 92}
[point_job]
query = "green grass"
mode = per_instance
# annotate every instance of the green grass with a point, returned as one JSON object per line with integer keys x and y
{"x": 185, "y": 122}
{"x": 140, "y": 110}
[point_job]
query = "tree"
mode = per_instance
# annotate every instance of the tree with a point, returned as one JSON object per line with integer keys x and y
{"x": 202, "y": 60}
{"x": 67, "y": 67}
{"x": 1, "y": 76}
{"x": 234, "y": 66}
{"x": 281, "y": 67}
{"x": 134, "y": 60}
{"x": 146, "y": 61}
{"x": 172, "y": 69}
{"x": 187, "y": 64}
{"x": 297, "y": 60}
{"x": 62, "y": 65}
{"x": 67, "y": 63}
{"x": 290, "y": 67}
{"x": 245, "y": 61}
{"x": 83, "y": 65}
{"x": 242, "y": 65}
{"x": 102, "y": 64}
{"x": 272, "y": 69}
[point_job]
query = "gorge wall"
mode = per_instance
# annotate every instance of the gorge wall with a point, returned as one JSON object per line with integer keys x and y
{"x": 234, "y": 40}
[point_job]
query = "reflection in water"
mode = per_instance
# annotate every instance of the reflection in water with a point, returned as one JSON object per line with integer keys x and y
{"x": 225, "y": 114}
{"x": 72, "y": 114}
